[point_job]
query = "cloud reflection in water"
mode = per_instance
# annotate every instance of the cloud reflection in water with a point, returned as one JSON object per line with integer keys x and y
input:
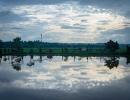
{"x": 68, "y": 75}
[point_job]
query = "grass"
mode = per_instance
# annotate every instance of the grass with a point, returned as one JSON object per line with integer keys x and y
{"x": 68, "y": 51}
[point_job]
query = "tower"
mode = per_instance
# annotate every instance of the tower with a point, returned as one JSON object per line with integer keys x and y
{"x": 41, "y": 37}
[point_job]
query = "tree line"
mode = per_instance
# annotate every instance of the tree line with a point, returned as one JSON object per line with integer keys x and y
{"x": 37, "y": 44}
{"x": 17, "y": 45}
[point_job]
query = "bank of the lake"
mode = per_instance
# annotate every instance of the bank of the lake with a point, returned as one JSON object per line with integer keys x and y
{"x": 63, "y": 51}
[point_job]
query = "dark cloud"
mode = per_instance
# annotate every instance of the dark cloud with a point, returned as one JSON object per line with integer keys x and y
{"x": 126, "y": 34}
{"x": 30, "y": 2}
{"x": 127, "y": 14}
{"x": 8, "y": 17}
{"x": 72, "y": 27}
{"x": 122, "y": 35}
{"x": 16, "y": 28}
{"x": 120, "y": 6}
{"x": 105, "y": 3}
{"x": 10, "y": 28}
{"x": 103, "y": 22}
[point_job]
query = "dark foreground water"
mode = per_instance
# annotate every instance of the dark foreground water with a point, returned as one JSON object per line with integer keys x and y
{"x": 65, "y": 78}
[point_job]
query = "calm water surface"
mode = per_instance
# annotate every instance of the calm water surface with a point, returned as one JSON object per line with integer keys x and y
{"x": 65, "y": 78}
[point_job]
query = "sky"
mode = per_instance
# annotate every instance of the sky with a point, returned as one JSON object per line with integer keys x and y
{"x": 65, "y": 21}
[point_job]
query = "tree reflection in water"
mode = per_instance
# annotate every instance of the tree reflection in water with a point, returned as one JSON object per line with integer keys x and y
{"x": 0, "y": 58}
{"x": 31, "y": 62}
{"x": 16, "y": 62}
{"x": 5, "y": 58}
{"x": 112, "y": 62}
{"x": 65, "y": 58}
{"x": 17, "y": 67}
{"x": 49, "y": 56}
{"x": 128, "y": 60}
{"x": 40, "y": 59}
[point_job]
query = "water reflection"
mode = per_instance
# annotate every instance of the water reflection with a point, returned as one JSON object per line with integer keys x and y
{"x": 16, "y": 61}
{"x": 5, "y": 58}
{"x": 65, "y": 58}
{"x": 17, "y": 66}
{"x": 31, "y": 62}
{"x": 112, "y": 62}
{"x": 0, "y": 58}
{"x": 40, "y": 59}
{"x": 128, "y": 60}
{"x": 68, "y": 73}
{"x": 49, "y": 56}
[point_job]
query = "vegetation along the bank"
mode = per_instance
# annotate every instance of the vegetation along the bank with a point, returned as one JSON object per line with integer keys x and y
{"x": 17, "y": 46}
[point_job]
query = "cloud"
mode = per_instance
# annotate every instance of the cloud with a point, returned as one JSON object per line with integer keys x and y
{"x": 31, "y": 2}
{"x": 122, "y": 35}
{"x": 8, "y": 17}
{"x": 8, "y": 35}
{"x": 63, "y": 22}
{"x": 73, "y": 27}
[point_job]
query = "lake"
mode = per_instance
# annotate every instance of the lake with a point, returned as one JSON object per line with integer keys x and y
{"x": 65, "y": 78}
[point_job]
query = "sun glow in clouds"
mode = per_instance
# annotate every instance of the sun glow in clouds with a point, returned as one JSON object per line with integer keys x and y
{"x": 71, "y": 22}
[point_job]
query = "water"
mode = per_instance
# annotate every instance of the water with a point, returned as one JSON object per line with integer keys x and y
{"x": 65, "y": 78}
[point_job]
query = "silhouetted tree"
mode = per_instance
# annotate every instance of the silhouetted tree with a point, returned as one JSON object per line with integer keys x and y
{"x": 30, "y": 44}
{"x": 50, "y": 50}
{"x": 16, "y": 45}
{"x": 17, "y": 40}
{"x": 66, "y": 50}
{"x": 0, "y": 43}
{"x": 128, "y": 49}
{"x": 112, "y": 46}
{"x": 31, "y": 51}
{"x": 40, "y": 50}
{"x": 128, "y": 54}
{"x": 0, "y": 47}
{"x": 80, "y": 49}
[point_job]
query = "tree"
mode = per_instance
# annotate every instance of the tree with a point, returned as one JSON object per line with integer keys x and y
{"x": 0, "y": 47}
{"x": 112, "y": 46}
{"x": 128, "y": 60}
{"x": 31, "y": 44}
{"x": 128, "y": 49}
{"x": 0, "y": 43}
{"x": 16, "y": 45}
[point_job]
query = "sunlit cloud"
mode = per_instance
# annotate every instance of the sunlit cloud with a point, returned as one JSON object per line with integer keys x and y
{"x": 70, "y": 22}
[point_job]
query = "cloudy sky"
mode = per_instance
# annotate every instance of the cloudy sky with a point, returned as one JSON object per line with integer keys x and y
{"x": 68, "y": 21}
